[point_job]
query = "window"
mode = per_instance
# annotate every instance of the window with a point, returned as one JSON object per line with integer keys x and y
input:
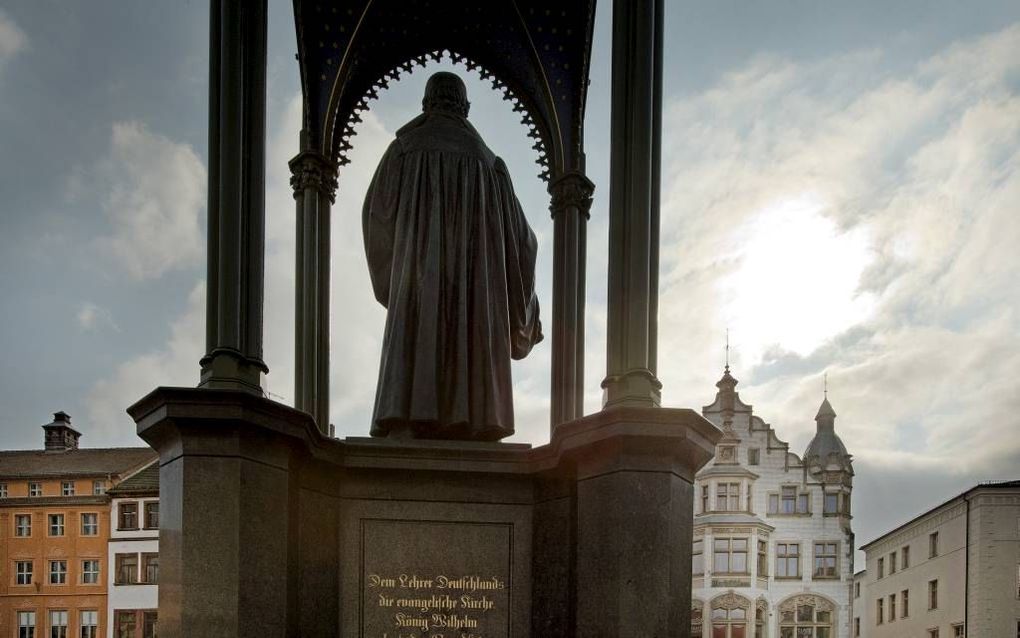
{"x": 56, "y": 526}
{"x": 128, "y": 516}
{"x": 905, "y": 552}
{"x": 3, "y": 490}
{"x": 787, "y": 560}
{"x": 127, "y": 569}
{"x": 881, "y": 567}
{"x": 58, "y": 624}
{"x": 729, "y": 621}
{"x": 152, "y": 515}
{"x": 826, "y": 560}
{"x": 58, "y": 572}
{"x": 67, "y": 488}
{"x": 933, "y": 594}
{"x": 933, "y": 633}
{"x": 730, "y": 556}
{"x": 698, "y": 557}
{"x": 811, "y": 618}
{"x": 704, "y": 498}
{"x": 89, "y": 623}
{"x": 753, "y": 456}
{"x": 763, "y": 559}
{"x": 880, "y": 611}
{"x": 905, "y": 596}
{"x": 958, "y": 631}
{"x": 90, "y": 524}
{"x": 26, "y": 624}
{"x": 23, "y": 572}
{"x": 148, "y": 624}
{"x": 124, "y": 626}
{"x": 789, "y": 496}
{"x": 35, "y": 489}
{"x": 857, "y": 590}
{"x": 789, "y": 501}
{"x": 727, "y": 497}
{"x": 1018, "y": 580}
{"x": 933, "y": 545}
{"x": 22, "y": 524}
{"x": 892, "y": 563}
{"x": 831, "y": 504}
{"x": 90, "y": 572}
{"x": 857, "y": 627}
{"x": 892, "y": 607}
{"x": 98, "y": 488}
{"x": 150, "y": 568}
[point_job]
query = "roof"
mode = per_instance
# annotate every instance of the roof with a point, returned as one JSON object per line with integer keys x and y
{"x": 1014, "y": 484}
{"x": 142, "y": 482}
{"x": 81, "y": 462}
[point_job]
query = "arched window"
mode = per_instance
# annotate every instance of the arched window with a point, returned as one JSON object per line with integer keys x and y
{"x": 730, "y": 616}
{"x": 806, "y": 616}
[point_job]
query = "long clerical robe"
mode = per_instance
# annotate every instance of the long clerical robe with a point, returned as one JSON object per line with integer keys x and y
{"x": 452, "y": 258}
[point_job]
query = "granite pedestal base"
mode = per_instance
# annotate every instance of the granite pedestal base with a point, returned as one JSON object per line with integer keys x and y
{"x": 270, "y": 528}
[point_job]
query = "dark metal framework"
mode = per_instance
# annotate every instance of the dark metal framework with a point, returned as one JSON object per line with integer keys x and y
{"x": 536, "y": 52}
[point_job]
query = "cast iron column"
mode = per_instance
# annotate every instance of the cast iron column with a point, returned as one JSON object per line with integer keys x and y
{"x": 571, "y": 205}
{"x": 236, "y": 210}
{"x": 314, "y": 182}
{"x": 634, "y": 205}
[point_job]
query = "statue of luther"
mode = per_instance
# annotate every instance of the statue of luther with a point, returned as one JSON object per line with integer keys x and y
{"x": 452, "y": 259}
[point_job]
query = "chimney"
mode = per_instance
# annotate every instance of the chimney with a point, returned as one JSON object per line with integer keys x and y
{"x": 60, "y": 436}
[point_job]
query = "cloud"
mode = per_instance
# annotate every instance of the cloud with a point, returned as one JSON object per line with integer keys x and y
{"x": 841, "y": 217}
{"x": 154, "y": 201}
{"x": 92, "y": 317}
{"x": 175, "y": 363}
{"x": 12, "y": 39}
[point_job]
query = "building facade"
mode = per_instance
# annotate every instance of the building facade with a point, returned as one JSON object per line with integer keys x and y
{"x": 773, "y": 546}
{"x": 133, "y": 556}
{"x": 54, "y": 530}
{"x": 950, "y": 572}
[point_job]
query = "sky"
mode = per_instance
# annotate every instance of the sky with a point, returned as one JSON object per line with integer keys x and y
{"x": 841, "y": 192}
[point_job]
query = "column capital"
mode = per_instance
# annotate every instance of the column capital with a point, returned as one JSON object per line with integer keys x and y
{"x": 572, "y": 189}
{"x": 311, "y": 169}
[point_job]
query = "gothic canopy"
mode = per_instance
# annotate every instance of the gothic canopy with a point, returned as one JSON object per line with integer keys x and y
{"x": 535, "y": 51}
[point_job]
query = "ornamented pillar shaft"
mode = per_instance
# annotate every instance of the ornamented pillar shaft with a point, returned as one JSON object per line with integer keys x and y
{"x": 571, "y": 205}
{"x": 313, "y": 178}
{"x": 236, "y": 210}
{"x": 634, "y": 205}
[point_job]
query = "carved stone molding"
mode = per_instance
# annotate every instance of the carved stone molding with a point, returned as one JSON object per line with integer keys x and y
{"x": 730, "y": 600}
{"x": 312, "y": 170}
{"x": 572, "y": 189}
{"x": 791, "y": 604}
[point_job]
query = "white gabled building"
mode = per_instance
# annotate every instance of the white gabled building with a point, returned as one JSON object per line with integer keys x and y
{"x": 133, "y": 569}
{"x": 773, "y": 546}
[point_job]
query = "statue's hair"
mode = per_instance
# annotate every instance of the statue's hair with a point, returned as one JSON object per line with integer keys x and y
{"x": 446, "y": 92}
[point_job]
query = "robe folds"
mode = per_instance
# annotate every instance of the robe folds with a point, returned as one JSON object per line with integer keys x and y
{"x": 452, "y": 258}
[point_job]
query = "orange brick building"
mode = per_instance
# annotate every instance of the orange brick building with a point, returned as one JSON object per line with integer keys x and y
{"x": 54, "y": 532}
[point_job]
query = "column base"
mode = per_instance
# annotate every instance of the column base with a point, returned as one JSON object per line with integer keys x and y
{"x": 632, "y": 389}
{"x": 225, "y": 369}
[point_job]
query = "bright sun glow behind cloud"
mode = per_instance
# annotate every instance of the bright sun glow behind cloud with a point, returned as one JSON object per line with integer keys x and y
{"x": 797, "y": 282}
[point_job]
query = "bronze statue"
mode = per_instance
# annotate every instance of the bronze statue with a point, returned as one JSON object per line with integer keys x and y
{"x": 452, "y": 259}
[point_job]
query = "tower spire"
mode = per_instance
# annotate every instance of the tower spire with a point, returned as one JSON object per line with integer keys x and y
{"x": 825, "y": 385}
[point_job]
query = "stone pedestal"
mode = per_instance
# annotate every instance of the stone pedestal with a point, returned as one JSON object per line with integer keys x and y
{"x": 271, "y": 528}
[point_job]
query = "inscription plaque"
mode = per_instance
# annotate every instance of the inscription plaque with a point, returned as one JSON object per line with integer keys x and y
{"x": 435, "y": 579}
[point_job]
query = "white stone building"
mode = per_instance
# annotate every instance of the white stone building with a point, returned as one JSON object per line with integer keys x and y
{"x": 133, "y": 569}
{"x": 773, "y": 546}
{"x": 950, "y": 572}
